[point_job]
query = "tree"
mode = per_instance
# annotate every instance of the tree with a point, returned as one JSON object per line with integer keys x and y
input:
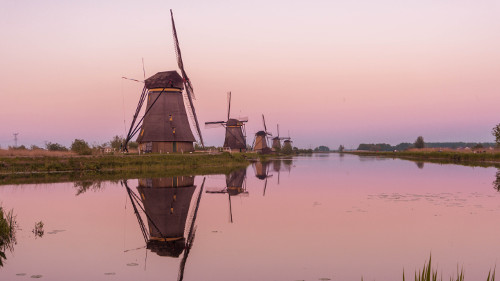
{"x": 496, "y": 133}
{"x": 322, "y": 148}
{"x": 116, "y": 142}
{"x": 55, "y": 147}
{"x": 341, "y": 148}
{"x": 81, "y": 147}
{"x": 419, "y": 143}
{"x": 133, "y": 144}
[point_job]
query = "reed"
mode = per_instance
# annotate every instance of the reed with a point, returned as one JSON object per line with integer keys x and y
{"x": 428, "y": 273}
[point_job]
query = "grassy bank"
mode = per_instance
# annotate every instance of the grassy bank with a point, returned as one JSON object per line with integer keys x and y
{"x": 443, "y": 157}
{"x": 63, "y": 168}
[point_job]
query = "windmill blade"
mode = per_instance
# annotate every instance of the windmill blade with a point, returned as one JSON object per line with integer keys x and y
{"x": 265, "y": 186}
{"x": 228, "y": 104}
{"x": 211, "y": 125}
{"x": 216, "y": 190}
{"x": 264, "y": 122}
{"x": 190, "y": 236}
{"x": 230, "y": 208}
{"x": 243, "y": 119}
{"x": 187, "y": 82}
{"x": 278, "y": 129}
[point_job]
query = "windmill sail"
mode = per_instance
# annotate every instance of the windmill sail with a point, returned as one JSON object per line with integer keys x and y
{"x": 187, "y": 82}
{"x": 235, "y": 138}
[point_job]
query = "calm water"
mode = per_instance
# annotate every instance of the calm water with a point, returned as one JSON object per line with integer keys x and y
{"x": 321, "y": 217}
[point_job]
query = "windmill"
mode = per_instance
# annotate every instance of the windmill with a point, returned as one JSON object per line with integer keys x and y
{"x": 165, "y": 126}
{"x": 235, "y": 138}
{"x": 166, "y": 203}
{"x": 234, "y": 187}
{"x": 277, "y": 140}
{"x": 287, "y": 144}
{"x": 260, "y": 142}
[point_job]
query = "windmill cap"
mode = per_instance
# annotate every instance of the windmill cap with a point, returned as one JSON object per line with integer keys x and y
{"x": 233, "y": 122}
{"x": 261, "y": 133}
{"x": 165, "y": 79}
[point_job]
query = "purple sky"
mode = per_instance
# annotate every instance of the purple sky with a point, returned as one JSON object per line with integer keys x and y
{"x": 330, "y": 72}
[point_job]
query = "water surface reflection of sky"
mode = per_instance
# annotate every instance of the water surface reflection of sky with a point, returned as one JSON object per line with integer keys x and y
{"x": 330, "y": 216}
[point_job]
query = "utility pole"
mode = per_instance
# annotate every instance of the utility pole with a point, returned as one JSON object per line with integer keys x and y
{"x": 15, "y": 139}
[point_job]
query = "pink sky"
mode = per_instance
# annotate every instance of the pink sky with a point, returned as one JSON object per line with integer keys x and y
{"x": 330, "y": 73}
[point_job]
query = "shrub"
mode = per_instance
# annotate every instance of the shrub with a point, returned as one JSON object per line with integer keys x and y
{"x": 55, "y": 147}
{"x": 81, "y": 147}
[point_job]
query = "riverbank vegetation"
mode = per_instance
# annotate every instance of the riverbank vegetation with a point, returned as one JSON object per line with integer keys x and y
{"x": 122, "y": 162}
{"x": 428, "y": 273}
{"x": 483, "y": 158}
{"x": 7, "y": 233}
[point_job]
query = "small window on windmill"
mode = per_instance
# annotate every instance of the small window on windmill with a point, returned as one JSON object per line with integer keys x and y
{"x": 173, "y": 130}
{"x": 170, "y": 117}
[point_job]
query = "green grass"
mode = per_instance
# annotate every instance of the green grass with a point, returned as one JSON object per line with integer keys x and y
{"x": 24, "y": 170}
{"x": 10, "y": 165}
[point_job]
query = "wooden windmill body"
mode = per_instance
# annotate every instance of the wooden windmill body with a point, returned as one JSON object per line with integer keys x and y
{"x": 260, "y": 143}
{"x": 165, "y": 127}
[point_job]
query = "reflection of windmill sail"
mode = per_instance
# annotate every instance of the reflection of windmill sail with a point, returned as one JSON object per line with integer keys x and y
{"x": 234, "y": 187}
{"x": 277, "y": 168}
{"x": 166, "y": 204}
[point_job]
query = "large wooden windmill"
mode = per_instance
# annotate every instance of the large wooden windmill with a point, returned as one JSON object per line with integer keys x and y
{"x": 235, "y": 138}
{"x": 165, "y": 126}
{"x": 260, "y": 142}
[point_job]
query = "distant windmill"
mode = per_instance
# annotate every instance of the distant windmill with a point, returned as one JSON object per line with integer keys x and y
{"x": 287, "y": 144}
{"x": 235, "y": 138}
{"x": 277, "y": 140}
{"x": 260, "y": 142}
{"x": 165, "y": 126}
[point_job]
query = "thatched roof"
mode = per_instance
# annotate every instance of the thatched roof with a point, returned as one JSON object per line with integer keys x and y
{"x": 165, "y": 79}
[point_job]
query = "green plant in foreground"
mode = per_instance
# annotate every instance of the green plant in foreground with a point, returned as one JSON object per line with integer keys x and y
{"x": 7, "y": 233}
{"x": 429, "y": 274}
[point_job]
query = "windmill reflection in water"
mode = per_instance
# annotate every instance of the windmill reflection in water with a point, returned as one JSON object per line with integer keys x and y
{"x": 235, "y": 186}
{"x": 262, "y": 169}
{"x": 166, "y": 203}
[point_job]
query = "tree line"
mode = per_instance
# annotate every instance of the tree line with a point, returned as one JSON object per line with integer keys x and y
{"x": 407, "y": 145}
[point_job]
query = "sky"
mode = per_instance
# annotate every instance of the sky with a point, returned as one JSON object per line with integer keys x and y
{"x": 328, "y": 72}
